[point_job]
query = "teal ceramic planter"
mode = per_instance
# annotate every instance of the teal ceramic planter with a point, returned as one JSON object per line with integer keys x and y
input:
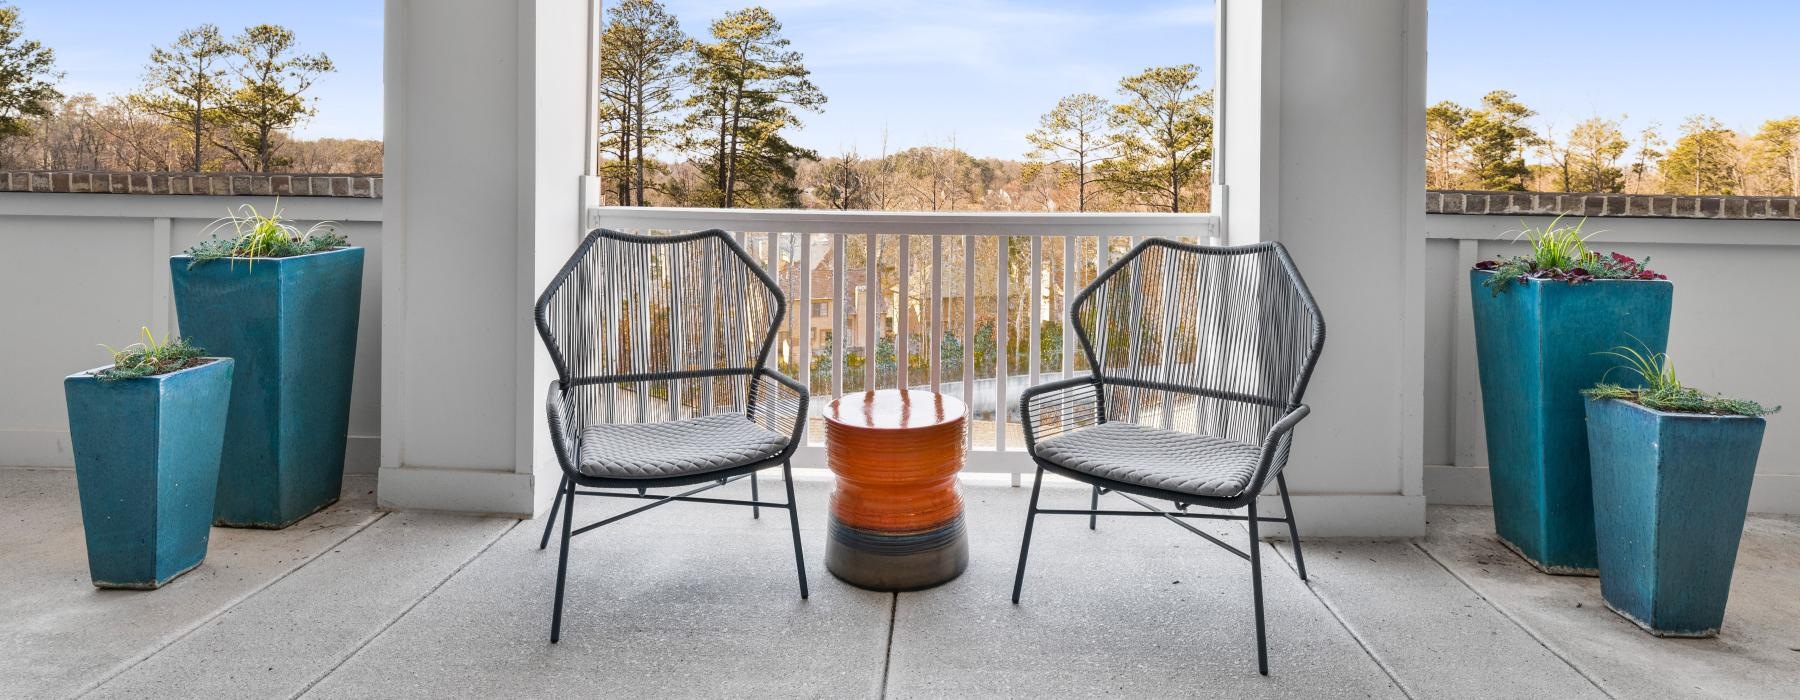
{"x": 291, "y": 325}
{"x": 147, "y": 465}
{"x": 1539, "y": 344}
{"x": 1670, "y": 490}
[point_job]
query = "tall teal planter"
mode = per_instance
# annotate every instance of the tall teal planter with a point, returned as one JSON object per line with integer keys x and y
{"x": 1670, "y": 490}
{"x": 147, "y": 465}
{"x": 1539, "y": 344}
{"x": 291, "y": 325}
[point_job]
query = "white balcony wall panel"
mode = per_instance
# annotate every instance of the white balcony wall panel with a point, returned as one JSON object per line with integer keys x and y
{"x": 1734, "y": 329}
{"x": 1323, "y": 146}
{"x": 77, "y": 270}
{"x": 484, "y": 163}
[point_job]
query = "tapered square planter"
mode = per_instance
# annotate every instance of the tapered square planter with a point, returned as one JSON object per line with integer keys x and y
{"x": 1670, "y": 490}
{"x": 291, "y": 325}
{"x": 147, "y": 465}
{"x": 1539, "y": 344}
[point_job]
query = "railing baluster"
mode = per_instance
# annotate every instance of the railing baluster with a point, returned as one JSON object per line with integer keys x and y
{"x": 839, "y": 309}
{"x": 804, "y": 319}
{"x": 1001, "y": 272}
{"x": 1067, "y": 318}
{"x": 1035, "y": 347}
{"x": 871, "y": 317}
{"x": 968, "y": 336}
{"x": 934, "y": 357}
{"x": 902, "y": 322}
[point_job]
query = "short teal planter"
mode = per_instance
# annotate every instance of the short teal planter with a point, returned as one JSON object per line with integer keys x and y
{"x": 1539, "y": 344}
{"x": 1670, "y": 491}
{"x": 291, "y": 325}
{"x": 147, "y": 465}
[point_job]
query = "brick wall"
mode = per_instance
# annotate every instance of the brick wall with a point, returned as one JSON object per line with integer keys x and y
{"x": 1626, "y": 205}
{"x": 225, "y": 184}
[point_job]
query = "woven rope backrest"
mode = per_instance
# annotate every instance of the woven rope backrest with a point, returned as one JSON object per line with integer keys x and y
{"x": 657, "y": 328}
{"x": 1218, "y": 341}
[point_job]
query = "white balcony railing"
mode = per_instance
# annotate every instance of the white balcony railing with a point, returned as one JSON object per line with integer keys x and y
{"x": 988, "y": 329}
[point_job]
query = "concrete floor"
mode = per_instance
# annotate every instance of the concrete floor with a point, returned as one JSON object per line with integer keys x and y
{"x": 701, "y": 601}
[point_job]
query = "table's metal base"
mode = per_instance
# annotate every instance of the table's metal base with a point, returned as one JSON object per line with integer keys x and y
{"x": 908, "y": 561}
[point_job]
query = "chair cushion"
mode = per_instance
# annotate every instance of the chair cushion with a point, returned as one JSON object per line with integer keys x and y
{"x": 679, "y": 448}
{"x": 1161, "y": 459}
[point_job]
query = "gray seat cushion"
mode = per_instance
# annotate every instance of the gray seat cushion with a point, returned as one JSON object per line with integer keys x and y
{"x": 1157, "y": 458}
{"x": 680, "y": 448}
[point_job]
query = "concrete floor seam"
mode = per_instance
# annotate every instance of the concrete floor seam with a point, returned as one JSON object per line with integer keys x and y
{"x": 887, "y": 652}
{"x": 228, "y": 607}
{"x": 1345, "y": 623}
{"x": 1485, "y": 598}
{"x": 364, "y": 643}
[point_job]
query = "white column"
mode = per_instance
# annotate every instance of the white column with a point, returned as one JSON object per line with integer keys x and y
{"x": 486, "y": 136}
{"x": 1324, "y": 139}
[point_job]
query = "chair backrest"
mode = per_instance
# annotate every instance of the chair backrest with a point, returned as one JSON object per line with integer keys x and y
{"x": 1212, "y": 340}
{"x": 652, "y": 328}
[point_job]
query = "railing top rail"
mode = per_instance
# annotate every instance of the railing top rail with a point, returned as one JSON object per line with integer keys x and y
{"x": 919, "y": 223}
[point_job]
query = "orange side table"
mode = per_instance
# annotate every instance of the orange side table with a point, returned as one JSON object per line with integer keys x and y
{"x": 896, "y": 514}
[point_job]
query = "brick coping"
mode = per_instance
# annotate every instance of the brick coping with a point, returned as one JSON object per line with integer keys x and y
{"x": 367, "y": 185}
{"x": 361, "y": 185}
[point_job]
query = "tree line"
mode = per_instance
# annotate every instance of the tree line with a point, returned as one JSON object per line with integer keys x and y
{"x": 208, "y": 102}
{"x": 707, "y": 121}
{"x": 1492, "y": 147}
{"x": 704, "y": 121}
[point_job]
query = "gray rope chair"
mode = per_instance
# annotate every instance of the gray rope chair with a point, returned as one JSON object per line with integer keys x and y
{"x": 660, "y": 344}
{"x": 1200, "y": 358}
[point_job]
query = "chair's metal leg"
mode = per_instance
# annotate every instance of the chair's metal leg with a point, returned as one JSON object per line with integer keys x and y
{"x": 1094, "y": 504}
{"x": 1293, "y": 528}
{"x": 787, "y": 475}
{"x": 555, "y": 504}
{"x": 755, "y": 511}
{"x": 1262, "y": 649}
{"x": 562, "y": 568}
{"x": 1025, "y": 546}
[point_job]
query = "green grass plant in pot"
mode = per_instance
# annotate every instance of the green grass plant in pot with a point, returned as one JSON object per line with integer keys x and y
{"x": 1541, "y": 320}
{"x": 147, "y": 432}
{"x": 1672, "y": 467}
{"x": 284, "y": 303}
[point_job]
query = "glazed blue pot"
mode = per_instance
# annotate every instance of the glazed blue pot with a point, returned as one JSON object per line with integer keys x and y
{"x": 147, "y": 465}
{"x": 1670, "y": 490}
{"x": 291, "y": 325}
{"x": 1539, "y": 343}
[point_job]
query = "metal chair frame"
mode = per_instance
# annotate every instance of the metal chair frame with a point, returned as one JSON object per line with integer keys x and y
{"x": 1086, "y": 397}
{"x": 761, "y": 384}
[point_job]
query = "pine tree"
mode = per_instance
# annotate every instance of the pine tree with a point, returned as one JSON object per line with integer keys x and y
{"x": 1704, "y": 159}
{"x": 1498, "y": 139}
{"x": 643, "y": 56}
{"x": 1163, "y": 131}
{"x": 269, "y": 96}
{"x": 1444, "y": 144}
{"x": 185, "y": 84}
{"x": 747, "y": 86}
{"x": 1775, "y": 156}
{"x": 1071, "y": 140}
{"x": 1591, "y": 156}
{"x": 27, "y": 77}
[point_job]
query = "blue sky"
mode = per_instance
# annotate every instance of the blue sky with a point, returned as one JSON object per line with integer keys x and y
{"x": 102, "y": 45}
{"x": 984, "y": 70}
{"x": 1655, "y": 60}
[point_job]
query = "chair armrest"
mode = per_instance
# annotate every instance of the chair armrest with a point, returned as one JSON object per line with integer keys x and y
{"x": 1275, "y": 444}
{"x": 556, "y": 413}
{"x": 778, "y": 404}
{"x": 1048, "y": 410}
